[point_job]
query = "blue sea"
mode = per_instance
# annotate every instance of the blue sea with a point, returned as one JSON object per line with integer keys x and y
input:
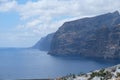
{"x": 18, "y": 63}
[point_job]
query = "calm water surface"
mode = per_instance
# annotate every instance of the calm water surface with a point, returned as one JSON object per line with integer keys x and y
{"x": 31, "y": 63}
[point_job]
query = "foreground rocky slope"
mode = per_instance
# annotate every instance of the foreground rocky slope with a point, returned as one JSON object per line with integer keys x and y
{"x": 97, "y": 36}
{"x": 111, "y": 73}
{"x": 44, "y": 43}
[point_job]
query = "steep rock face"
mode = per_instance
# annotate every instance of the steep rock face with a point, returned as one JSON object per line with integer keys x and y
{"x": 44, "y": 43}
{"x": 104, "y": 43}
{"x": 92, "y": 37}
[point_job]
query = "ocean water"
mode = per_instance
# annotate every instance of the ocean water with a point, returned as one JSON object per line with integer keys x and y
{"x": 35, "y": 64}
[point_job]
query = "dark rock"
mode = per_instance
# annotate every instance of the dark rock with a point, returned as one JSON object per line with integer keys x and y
{"x": 97, "y": 36}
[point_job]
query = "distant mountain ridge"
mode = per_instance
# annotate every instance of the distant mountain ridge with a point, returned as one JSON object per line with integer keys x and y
{"x": 97, "y": 36}
{"x": 44, "y": 43}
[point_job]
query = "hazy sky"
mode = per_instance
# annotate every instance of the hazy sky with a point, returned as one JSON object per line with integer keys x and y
{"x": 24, "y": 22}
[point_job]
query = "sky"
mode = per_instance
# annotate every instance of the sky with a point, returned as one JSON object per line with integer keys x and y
{"x": 24, "y": 22}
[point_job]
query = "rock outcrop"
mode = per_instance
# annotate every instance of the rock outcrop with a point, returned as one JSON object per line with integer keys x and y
{"x": 110, "y": 73}
{"x": 97, "y": 36}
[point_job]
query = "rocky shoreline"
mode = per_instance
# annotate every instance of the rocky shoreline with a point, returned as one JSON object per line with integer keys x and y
{"x": 110, "y": 73}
